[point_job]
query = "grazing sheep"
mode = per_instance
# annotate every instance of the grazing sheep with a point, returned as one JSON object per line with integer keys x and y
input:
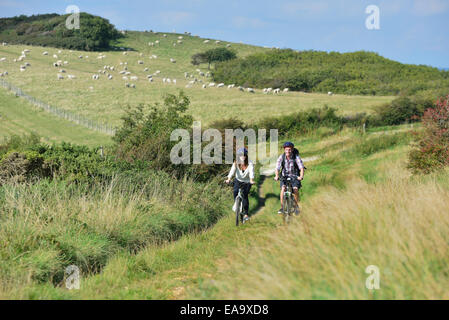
{"x": 206, "y": 41}
{"x": 122, "y": 72}
{"x": 66, "y": 62}
{"x": 55, "y": 56}
{"x": 228, "y": 45}
{"x": 158, "y": 71}
{"x": 156, "y": 42}
{"x": 277, "y": 90}
{"x": 149, "y": 76}
{"x": 217, "y": 41}
{"x": 80, "y": 57}
{"x": 146, "y": 70}
{"x": 172, "y": 60}
{"x": 134, "y": 78}
{"x": 168, "y": 80}
{"x": 250, "y": 90}
{"x": 179, "y": 41}
{"x": 204, "y": 86}
{"x": 180, "y": 37}
{"x": 241, "y": 88}
{"x": 220, "y": 85}
{"x": 231, "y": 86}
{"x": 71, "y": 76}
{"x": 125, "y": 53}
{"x": 212, "y": 84}
{"x": 125, "y": 78}
{"x": 140, "y": 62}
{"x": 285, "y": 90}
{"x": 174, "y": 81}
{"x": 22, "y": 68}
{"x": 133, "y": 85}
{"x": 201, "y": 74}
{"x": 62, "y": 71}
{"x": 127, "y": 85}
{"x": 110, "y": 77}
{"x": 60, "y": 77}
{"x": 127, "y": 73}
{"x": 186, "y": 75}
{"x": 150, "y": 79}
{"x": 3, "y": 59}
{"x": 95, "y": 77}
{"x": 154, "y": 56}
{"x": 329, "y": 93}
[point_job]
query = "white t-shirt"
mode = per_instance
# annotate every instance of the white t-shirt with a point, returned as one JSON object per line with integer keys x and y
{"x": 242, "y": 176}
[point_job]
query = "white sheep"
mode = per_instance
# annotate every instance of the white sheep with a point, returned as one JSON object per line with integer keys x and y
{"x": 146, "y": 70}
{"x": 80, "y": 57}
{"x": 285, "y": 90}
{"x": 172, "y": 60}
{"x": 241, "y": 88}
{"x": 204, "y": 86}
{"x": 71, "y": 76}
{"x": 150, "y": 79}
{"x": 134, "y": 78}
{"x": 277, "y": 90}
{"x": 133, "y": 85}
{"x": 140, "y": 62}
{"x": 250, "y": 90}
{"x": 60, "y": 77}
{"x": 174, "y": 81}
{"x": 2, "y": 59}
{"x": 55, "y": 56}
{"x": 329, "y": 93}
{"x": 220, "y": 85}
{"x": 231, "y": 86}
{"x": 212, "y": 84}
{"x": 62, "y": 71}
{"x": 206, "y": 41}
{"x": 125, "y": 78}
{"x": 95, "y": 77}
{"x": 110, "y": 77}
{"x": 168, "y": 80}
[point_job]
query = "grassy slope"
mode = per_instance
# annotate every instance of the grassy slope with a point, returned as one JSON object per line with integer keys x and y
{"x": 370, "y": 206}
{"x": 18, "y": 116}
{"x": 108, "y": 97}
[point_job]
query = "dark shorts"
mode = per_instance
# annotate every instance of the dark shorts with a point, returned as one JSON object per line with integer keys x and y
{"x": 295, "y": 183}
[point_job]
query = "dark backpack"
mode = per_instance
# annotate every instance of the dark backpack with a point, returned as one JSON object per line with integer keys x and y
{"x": 296, "y": 168}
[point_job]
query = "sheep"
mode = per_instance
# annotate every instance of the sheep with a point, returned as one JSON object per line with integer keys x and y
{"x": 125, "y": 78}
{"x": 168, "y": 80}
{"x": 133, "y": 85}
{"x": 80, "y": 57}
{"x": 231, "y": 86}
{"x": 134, "y": 78}
{"x": 110, "y": 77}
{"x": 95, "y": 77}
{"x": 277, "y": 90}
{"x": 192, "y": 82}
{"x": 212, "y": 84}
{"x": 59, "y": 51}
{"x": 179, "y": 41}
{"x": 66, "y": 62}
{"x": 329, "y": 93}
{"x": 158, "y": 71}
{"x": 62, "y": 71}
{"x": 127, "y": 85}
{"x": 125, "y": 53}
{"x": 45, "y": 53}
{"x": 55, "y": 56}
{"x": 146, "y": 70}
{"x": 4, "y": 44}
{"x": 285, "y": 90}
{"x": 186, "y": 75}
{"x": 204, "y": 86}
{"x": 174, "y": 81}
{"x": 71, "y": 76}
{"x": 127, "y": 73}
{"x": 22, "y": 68}
{"x": 250, "y": 90}
{"x": 165, "y": 36}
{"x": 2, "y": 59}
{"x": 172, "y": 60}
{"x": 188, "y": 85}
{"x": 180, "y": 38}
{"x": 264, "y": 90}
{"x": 149, "y": 76}
{"x": 140, "y": 62}
{"x": 206, "y": 41}
{"x": 150, "y": 79}
{"x": 220, "y": 85}
{"x": 201, "y": 74}
{"x": 228, "y": 45}
{"x": 60, "y": 77}
{"x": 122, "y": 72}
{"x": 241, "y": 88}
{"x": 217, "y": 41}
{"x": 154, "y": 56}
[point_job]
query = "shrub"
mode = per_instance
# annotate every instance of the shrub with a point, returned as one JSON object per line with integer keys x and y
{"x": 431, "y": 150}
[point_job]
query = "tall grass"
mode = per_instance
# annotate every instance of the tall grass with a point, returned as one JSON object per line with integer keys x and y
{"x": 400, "y": 225}
{"x": 47, "y": 226}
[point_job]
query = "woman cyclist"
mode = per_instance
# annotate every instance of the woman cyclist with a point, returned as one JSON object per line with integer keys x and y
{"x": 244, "y": 177}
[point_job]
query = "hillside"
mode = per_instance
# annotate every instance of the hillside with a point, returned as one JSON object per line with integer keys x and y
{"x": 103, "y": 100}
{"x": 95, "y": 33}
{"x": 316, "y": 71}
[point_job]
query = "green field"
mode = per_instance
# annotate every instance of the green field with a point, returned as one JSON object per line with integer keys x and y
{"x": 106, "y": 100}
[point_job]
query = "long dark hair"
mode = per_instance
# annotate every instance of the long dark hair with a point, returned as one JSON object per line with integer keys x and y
{"x": 240, "y": 164}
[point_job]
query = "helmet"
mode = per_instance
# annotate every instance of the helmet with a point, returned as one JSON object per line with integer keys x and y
{"x": 288, "y": 144}
{"x": 243, "y": 151}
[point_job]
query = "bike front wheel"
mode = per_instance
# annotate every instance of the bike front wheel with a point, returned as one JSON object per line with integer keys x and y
{"x": 238, "y": 203}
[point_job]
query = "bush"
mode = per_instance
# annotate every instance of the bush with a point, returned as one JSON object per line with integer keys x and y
{"x": 431, "y": 150}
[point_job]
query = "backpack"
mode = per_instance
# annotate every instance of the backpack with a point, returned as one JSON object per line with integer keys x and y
{"x": 294, "y": 155}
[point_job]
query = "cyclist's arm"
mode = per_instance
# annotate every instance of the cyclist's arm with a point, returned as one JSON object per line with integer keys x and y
{"x": 231, "y": 172}
{"x": 251, "y": 173}
{"x": 278, "y": 167}
{"x": 300, "y": 166}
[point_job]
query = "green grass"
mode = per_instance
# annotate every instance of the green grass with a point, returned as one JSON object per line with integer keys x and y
{"x": 18, "y": 116}
{"x": 106, "y": 100}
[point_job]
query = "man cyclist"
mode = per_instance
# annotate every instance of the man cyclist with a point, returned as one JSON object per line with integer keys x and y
{"x": 289, "y": 164}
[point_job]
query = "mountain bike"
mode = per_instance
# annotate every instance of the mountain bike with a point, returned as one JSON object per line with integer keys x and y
{"x": 288, "y": 200}
{"x": 238, "y": 206}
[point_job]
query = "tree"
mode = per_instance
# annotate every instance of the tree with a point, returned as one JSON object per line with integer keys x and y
{"x": 213, "y": 55}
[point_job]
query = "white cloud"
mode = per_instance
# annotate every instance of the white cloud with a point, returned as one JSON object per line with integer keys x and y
{"x": 430, "y": 7}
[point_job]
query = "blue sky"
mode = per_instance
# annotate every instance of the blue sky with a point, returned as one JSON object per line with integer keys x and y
{"x": 411, "y": 31}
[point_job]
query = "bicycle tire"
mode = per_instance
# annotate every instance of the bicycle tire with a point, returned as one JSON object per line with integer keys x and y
{"x": 237, "y": 210}
{"x": 286, "y": 209}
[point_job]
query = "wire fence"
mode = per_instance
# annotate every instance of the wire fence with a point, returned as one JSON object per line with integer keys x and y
{"x": 64, "y": 114}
